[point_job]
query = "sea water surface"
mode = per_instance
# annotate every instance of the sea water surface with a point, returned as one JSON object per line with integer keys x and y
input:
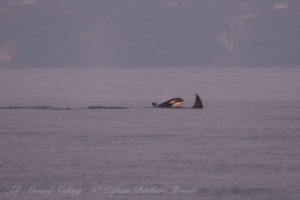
{"x": 89, "y": 134}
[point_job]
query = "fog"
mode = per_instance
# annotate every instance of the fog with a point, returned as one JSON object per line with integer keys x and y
{"x": 144, "y": 33}
{"x": 140, "y": 87}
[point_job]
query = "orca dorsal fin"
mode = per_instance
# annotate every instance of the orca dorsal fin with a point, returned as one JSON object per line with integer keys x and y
{"x": 198, "y": 102}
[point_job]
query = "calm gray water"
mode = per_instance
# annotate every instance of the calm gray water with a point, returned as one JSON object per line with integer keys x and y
{"x": 232, "y": 149}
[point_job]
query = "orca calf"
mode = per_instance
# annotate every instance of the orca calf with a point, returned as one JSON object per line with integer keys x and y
{"x": 177, "y": 102}
{"x": 172, "y": 103}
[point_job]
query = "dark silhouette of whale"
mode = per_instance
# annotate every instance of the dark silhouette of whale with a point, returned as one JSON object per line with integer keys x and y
{"x": 177, "y": 102}
{"x": 171, "y": 103}
{"x": 198, "y": 103}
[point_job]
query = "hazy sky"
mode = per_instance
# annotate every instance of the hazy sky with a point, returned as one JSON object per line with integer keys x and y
{"x": 144, "y": 33}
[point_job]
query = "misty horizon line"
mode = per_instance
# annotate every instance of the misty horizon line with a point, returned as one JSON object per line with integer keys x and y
{"x": 151, "y": 67}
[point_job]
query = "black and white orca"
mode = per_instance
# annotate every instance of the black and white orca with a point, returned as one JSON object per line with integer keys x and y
{"x": 172, "y": 103}
{"x": 177, "y": 102}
